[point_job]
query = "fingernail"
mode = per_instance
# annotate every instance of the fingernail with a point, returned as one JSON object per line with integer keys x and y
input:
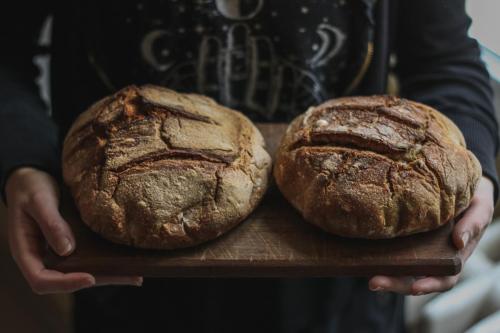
{"x": 138, "y": 283}
{"x": 465, "y": 238}
{"x": 420, "y": 293}
{"x": 377, "y": 289}
{"x": 65, "y": 247}
{"x": 89, "y": 283}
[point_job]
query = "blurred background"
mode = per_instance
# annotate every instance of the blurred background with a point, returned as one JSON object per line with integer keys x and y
{"x": 472, "y": 306}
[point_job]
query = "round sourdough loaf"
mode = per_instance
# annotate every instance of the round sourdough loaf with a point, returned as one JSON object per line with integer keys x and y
{"x": 375, "y": 167}
{"x": 153, "y": 168}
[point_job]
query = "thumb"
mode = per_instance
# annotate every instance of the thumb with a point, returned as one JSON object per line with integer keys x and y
{"x": 43, "y": 209}
{"x": 470, "y": 227}
{"x": 477, "y": 216}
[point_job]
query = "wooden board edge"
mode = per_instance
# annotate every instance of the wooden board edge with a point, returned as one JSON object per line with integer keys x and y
{"x": 268, "y": 268}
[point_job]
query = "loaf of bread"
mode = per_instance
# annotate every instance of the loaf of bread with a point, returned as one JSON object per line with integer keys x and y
{"x": 153, "y": 168}
{"x": 375, "y": 167}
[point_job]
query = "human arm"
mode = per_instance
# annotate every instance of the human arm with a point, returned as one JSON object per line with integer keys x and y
{"x": 439, "y": 65}
{"x": 29, "y": 159}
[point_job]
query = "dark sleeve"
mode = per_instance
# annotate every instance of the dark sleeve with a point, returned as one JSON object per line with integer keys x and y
{"x": 27, "y": 134}
{"x": 440, "y": 65}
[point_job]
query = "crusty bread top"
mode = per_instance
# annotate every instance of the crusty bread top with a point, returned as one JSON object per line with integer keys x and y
{"x": 376, "y": 167}
{"x": 382, "y": 124}
{"x": 199, "y": 129}
{"x": 159, "y": 169}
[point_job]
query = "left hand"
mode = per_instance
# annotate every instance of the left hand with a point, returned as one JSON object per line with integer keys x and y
{"x": 466, "y": 234}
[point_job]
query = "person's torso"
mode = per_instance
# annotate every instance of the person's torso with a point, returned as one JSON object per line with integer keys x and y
{"x": 268, "y": 59}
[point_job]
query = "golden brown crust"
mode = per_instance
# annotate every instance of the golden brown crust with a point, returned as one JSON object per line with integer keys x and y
{"x": 153, "y": 168}
{"x": 375, "y": 167}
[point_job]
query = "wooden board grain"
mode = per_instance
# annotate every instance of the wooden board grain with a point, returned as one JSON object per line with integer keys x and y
{"x": 273, "y": 241}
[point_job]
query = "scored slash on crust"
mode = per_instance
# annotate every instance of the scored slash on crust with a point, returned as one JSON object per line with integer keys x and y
{"x": 153, "y": 168}
{"x": 384, "y": 166}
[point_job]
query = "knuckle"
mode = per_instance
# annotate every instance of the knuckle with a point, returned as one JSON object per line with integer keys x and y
{"x": 54, "y": 226}
{"x": 477, "y": 229}
{"x": 448, "y": 286}
{"x": 38, "y": 287}
{"x": 37, "y": 291}
{"x": 22, "y": 201}
{"x": 486, "y": 208}
{"x": 36, "y": 198}
{"x": 15, "y": 252}
{"x": 491, "y": 211}
{"x": 449, "y": 283}
{"x": 487, "y": 221}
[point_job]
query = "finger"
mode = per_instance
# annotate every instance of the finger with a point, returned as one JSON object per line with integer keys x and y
{"x": 43, "y": 209}
{"x": 119, "y": 280}
{"x": 27, "y": 248}
{"x": 49, "y": 282}
{"x": 398, "y": 284}
{"x": 472, "y": 224}
{"x": 433, "y": 284}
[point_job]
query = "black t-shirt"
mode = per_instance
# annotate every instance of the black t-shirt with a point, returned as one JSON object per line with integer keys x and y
{"x": 284, "y": 54}
{"x": 268, "y": 59}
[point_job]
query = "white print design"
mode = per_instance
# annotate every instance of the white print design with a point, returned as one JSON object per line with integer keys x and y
{"x": 147, "y": 50}
{"x": 242, "y": 69}
{"x": 233, "y": 9}
{"x": 326, "y": 51}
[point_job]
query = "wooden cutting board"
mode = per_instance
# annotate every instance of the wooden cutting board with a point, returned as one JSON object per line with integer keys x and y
{"x": 273, "y": 241}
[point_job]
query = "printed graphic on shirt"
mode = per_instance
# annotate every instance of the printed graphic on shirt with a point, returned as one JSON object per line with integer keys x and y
{"x": 266, "y": 58}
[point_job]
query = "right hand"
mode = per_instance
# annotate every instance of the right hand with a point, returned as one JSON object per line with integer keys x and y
{"x": 33, "y": 217}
